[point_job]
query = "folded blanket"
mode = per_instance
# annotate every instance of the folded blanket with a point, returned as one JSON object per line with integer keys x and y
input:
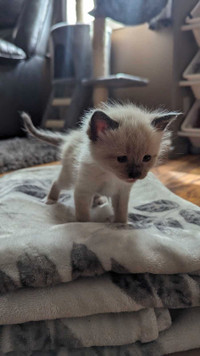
{"x": 181, "y": 336}
{"x": 110, "y": 293}
{"x": 139, "y": 270}
{"x": 100, "y": 330}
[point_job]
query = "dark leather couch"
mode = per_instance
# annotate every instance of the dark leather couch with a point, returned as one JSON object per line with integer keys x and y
{"x": 24, "y": 65}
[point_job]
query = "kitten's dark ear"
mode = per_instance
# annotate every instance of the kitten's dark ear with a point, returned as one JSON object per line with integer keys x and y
{"x": 161, "y": 122}
{"x": 100, "y": 122}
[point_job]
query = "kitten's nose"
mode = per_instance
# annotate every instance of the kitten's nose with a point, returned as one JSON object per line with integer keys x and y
{"x": 134, "y": 174}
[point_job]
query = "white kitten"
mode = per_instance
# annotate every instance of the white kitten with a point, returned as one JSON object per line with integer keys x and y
{"x": 115, "y": 146}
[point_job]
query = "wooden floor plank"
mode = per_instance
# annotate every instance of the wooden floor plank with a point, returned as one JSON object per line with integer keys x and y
{"x": 182, "y": 177}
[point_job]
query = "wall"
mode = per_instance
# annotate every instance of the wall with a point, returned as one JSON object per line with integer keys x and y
{"x": 142, "y": 52}
{"x": 160, "y": 56}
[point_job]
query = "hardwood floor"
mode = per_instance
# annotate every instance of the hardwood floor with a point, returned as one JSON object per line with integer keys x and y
{"x": 181, "y": 176}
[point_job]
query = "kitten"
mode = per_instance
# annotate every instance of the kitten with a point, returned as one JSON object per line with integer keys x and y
{"x": 115, "y": 146}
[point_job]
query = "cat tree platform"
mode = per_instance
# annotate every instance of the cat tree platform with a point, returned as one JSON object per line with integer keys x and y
{"x": 115, "y": 81}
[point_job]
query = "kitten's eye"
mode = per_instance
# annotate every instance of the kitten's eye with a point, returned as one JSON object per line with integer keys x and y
{"x": 146, "y": 158}
{"x": 122, "y": 159}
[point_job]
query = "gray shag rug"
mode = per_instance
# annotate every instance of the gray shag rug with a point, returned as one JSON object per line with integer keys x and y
{"x": 23, "y": 152}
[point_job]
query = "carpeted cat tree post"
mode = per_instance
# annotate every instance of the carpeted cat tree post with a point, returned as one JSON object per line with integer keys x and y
{"x": 101, "y": 57}
{"x": 103, "y": 80}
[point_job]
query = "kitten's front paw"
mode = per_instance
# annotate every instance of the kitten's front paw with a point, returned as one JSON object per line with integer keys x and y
{"x": 121, "y": 221}
{"x": 82, "y": 217}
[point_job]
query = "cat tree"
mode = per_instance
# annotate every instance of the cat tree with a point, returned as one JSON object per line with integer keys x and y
{"x": 103, "y": 80}
{"x": 88, "y": 53}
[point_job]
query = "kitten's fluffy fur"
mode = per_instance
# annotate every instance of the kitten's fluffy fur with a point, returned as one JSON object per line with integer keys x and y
{"x": 106, "y": 155}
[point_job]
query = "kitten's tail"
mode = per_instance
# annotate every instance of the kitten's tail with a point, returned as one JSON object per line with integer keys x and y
{"x": 55, "y": 139}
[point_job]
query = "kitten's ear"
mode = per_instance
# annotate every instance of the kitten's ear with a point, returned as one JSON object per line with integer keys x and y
{"x": 100, "y": 122}
{"x": 161, "y": 122}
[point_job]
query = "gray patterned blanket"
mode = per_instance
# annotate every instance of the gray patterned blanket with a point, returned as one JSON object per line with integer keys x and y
{"x": 69, "y": 288}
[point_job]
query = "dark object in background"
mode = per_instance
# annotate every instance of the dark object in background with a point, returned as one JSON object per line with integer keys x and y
{"x": 197, "y": 122}
{"x": 72, "y": 62}
{"x": 196, "y": 68}
{"x": 9, "y": 53}
{"x": 128, "y": 12}
{"x": 24, "y": 82}
{"x": 9, "y": 12}
{"x": 72, "y": 51}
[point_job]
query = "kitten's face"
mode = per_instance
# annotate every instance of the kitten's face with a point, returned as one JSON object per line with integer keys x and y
{"x": 128, "y": 155}
{"x": 127, "y": 149}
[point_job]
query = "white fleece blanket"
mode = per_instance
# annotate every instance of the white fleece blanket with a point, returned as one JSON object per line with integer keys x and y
{"x": 139, "y": 270}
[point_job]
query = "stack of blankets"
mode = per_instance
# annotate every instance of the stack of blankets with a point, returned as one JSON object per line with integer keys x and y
{"x": 97, "y": 288}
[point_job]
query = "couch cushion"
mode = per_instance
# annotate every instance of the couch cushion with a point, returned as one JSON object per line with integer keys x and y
{"x": 6, "y": 34}
{"x": 33, "y": 27}
{"x": 9, "y": 53}
{"x": 9, "y": 12}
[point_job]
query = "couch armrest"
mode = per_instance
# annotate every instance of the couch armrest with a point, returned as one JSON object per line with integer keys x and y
{"x": 33, "y": 27}
{"x": 9, "y": 53}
